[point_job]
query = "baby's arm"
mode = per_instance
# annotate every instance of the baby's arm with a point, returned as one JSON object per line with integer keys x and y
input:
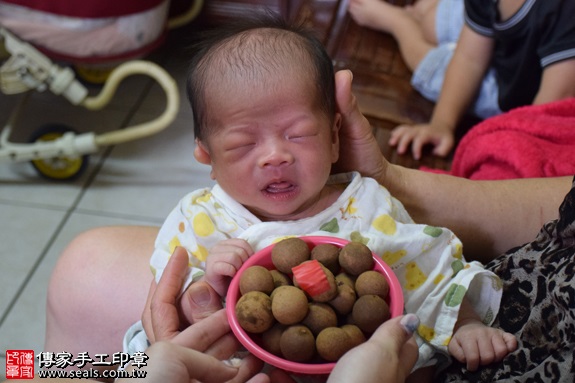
{"x": 476, "y": 344}
{"x": 224, "y": 260}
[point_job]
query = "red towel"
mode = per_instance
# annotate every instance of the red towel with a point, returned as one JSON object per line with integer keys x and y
{"x": 530, "y": 141}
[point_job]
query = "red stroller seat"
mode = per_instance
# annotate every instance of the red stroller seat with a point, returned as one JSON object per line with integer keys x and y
{"x": 88, "y": 32}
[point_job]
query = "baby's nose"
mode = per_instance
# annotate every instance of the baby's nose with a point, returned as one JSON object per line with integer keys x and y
{"x": 276, "y": 155}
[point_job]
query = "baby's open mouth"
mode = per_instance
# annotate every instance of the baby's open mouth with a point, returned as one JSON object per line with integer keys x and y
{"x": 280, "y": 187}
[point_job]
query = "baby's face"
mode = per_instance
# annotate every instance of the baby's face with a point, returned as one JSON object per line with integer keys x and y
{"x": 272, "y": 146}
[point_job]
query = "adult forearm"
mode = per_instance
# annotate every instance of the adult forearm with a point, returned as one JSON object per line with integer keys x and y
{"x": 490, "y": 217}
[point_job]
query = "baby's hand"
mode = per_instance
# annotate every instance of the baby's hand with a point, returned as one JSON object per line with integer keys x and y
{"x": 477, "y": 344}
{"x": 223, "y": 262}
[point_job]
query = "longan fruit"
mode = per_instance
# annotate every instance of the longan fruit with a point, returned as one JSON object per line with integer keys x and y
{"x": 356, "y": 335}
{"x": 371, "y": 282}
{"x": 289, "y": 253}
{"x": 344, "y": 300}
{"x": 256, "y": 278}
{"x": 271, "y": 339}
{"x": 280, "y": 279}
{"x": 355, "y": 258}
{"x": 328, "y": 255}
{"x": 369, "y": 312}
{"x": 345, "y": 278}
{"x": 319, "y": 316}
{"x": 254, "y": 312}
{"x": 332, "y": 343}
{"x": 289, "y": 304}
{"x": 297, "y": 344}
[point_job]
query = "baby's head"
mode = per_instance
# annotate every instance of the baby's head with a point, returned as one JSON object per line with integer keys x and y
{"x": 263, "y": 97}
{"x": 256, "y": 54}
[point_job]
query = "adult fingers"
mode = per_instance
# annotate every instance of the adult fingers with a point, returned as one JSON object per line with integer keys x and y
{"x": 164, "y": 313}
{"x": 208, "y": 369}
{"x": 183, "y": 364}
{"x": 389, "y": 352}
{"x": 261, "y": 378}
{"x": 355, "y": 126}
{"x": 202, "y": 335}
{"x": 212, "y": 337}
{"x": 147, "y": 314}
{"x": 409, "y": 354}
{"x": 199, "y": 301}
{"x": 394, "y": 334}
{"x": 249, "y": 367}
{"x": 346, "y": 102}
{"x": 226, "y": 348}
{"x": 280, "y": 376}
{"x": 358, "y": 148}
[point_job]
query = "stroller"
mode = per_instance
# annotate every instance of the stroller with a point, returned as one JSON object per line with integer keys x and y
{"x": 57, "y": 151}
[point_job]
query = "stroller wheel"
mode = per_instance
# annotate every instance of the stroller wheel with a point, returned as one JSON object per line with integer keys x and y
{"x": 93, "y": 75}
{"x": 57, "y": 168}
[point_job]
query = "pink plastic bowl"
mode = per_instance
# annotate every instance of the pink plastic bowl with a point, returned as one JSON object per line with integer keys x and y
{"x": 250, "y": 341}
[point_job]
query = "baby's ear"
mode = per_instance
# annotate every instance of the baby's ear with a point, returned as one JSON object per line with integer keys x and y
{"x": 201, "y": 153}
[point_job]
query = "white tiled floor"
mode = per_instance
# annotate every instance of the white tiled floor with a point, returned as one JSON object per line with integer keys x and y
{"x": 133, "y": 183}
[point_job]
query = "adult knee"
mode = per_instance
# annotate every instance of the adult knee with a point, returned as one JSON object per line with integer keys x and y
{"x": 99, "y": 283}
{"x": 73, "y": 279}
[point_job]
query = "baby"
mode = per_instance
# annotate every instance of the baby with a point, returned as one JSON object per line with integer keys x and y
{"x": 265, "y": 120}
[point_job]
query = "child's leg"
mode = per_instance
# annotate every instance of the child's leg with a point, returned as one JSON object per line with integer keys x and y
{"x": 400, "y": 23}
{"x": 476, "y": 344}
{"x": 449, "y": 20}
{"x": 424, "y": 11}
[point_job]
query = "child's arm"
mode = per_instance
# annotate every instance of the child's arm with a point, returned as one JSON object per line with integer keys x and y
{"x": 558, "y": 82}
{"x": 463, "y": 77}
{"x": 224, "y": 261}
{"x": 476, "y": 344}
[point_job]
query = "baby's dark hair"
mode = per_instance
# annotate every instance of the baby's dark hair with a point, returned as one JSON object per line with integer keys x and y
{"x": 251, "y": 46}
